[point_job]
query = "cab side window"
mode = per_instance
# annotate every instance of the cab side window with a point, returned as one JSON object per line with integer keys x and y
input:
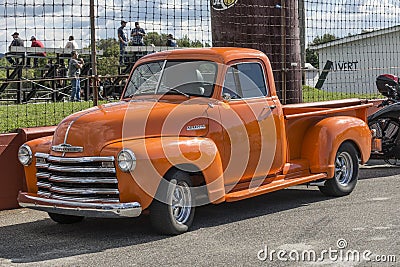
{"x": 252, "y": 82}
{"x": 245, "y": 80}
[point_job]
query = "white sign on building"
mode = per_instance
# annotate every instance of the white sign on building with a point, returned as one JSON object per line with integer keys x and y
{"x": 357, "y": 60}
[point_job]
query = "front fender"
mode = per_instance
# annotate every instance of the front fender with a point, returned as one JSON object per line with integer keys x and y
{"x": 155, "y": 156}
{"x": 323, "y": 140}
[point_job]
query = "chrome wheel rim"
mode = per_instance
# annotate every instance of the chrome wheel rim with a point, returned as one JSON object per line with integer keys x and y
{"x": 344, "y": 168}
{"x": 181, "y": 202}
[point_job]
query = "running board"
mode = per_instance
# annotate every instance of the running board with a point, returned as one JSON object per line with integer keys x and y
{"x": 270, "y": 187}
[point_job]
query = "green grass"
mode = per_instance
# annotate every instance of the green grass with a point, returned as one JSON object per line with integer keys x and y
{"x": 13, "y": 117}
{"x": 37, "y": 114}
{"x": 311, "y": 94}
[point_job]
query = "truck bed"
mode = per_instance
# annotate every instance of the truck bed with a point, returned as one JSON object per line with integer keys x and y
{"x": 292, "y": 111}
{"x": 300, "y": 117}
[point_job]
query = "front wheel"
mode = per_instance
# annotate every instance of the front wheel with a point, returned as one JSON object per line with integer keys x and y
{"x": 65, "y": 219}
{"x": 346, "y": 172}
{"x": 172, "y": 211}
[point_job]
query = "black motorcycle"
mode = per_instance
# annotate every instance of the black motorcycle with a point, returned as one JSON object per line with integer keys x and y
{"x": 385, "y": 123}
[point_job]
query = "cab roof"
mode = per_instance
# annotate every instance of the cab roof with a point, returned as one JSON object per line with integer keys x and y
{"x": 221, "y": 55}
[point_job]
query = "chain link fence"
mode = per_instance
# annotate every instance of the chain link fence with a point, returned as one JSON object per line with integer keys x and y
{"x": 342, "y": 45}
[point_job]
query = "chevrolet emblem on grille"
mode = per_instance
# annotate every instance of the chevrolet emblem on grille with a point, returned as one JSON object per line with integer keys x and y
{"x": 67, "y": 148}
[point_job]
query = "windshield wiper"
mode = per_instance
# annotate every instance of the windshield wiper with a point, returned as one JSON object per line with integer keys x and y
{"x": 179, "y": 92}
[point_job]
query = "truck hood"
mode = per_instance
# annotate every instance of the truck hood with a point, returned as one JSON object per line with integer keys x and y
{"x": 99, "y": 126}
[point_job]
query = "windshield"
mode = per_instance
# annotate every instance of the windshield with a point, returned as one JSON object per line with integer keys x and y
{"x": 193, "y": 78}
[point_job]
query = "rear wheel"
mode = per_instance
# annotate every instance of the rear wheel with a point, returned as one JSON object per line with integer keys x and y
{"x": 65, "y": 219}
{"x": 172, "y": 211}
{"x": 346, "y": 172}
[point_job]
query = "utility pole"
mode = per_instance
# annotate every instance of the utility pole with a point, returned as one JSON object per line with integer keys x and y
{"x": 302, "y": 24}
{"x": 269, "y": 26}
{"x": 93, "y": 56}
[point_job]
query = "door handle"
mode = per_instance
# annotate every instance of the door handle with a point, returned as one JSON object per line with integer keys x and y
{"x": 271, "y": 107}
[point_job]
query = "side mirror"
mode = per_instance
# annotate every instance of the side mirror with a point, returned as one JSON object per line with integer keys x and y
{"x": 226, "y": 97}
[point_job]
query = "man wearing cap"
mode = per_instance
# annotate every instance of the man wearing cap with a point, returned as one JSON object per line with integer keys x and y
{"x": 74, "y": 70}
{"x": 15, "y": 42}
{"x": 123, "y": 41}
{"x": 35, "y": 43}
{"x": 137, "y": 35}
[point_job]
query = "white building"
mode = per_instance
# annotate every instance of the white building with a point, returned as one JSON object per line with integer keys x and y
{"x": 357, "y": 60}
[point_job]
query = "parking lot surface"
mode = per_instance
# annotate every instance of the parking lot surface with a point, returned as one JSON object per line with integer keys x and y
{"x": 295, "y": 221}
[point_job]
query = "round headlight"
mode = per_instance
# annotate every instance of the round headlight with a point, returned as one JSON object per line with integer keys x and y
{"x": 25, "y": 155}
{"x": 126, "y": 160}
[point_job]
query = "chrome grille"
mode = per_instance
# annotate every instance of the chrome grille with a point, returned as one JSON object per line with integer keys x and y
{"x": 84, "y": 179}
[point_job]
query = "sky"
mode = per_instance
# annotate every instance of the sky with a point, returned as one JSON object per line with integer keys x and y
{"x": 52, "y": 21}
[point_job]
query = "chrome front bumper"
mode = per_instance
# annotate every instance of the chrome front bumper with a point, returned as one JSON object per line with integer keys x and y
{"x": 102, "y": 210}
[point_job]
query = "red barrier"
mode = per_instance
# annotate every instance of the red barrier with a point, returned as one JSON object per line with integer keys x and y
{"x": 12, "y": 178}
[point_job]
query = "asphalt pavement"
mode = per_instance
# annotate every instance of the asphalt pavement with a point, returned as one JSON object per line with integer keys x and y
{"x": 293, "y": 227}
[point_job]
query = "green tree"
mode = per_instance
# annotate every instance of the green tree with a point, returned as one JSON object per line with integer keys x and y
{"x": 108, "y": 62}
{"x": 327, "y": 37}
{"x": 155, "y": 38}
{"x": 312, "y": 56}
{"x": 184, "y": 41}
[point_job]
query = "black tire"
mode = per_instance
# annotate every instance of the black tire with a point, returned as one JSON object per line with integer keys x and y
{"x": 166, "y": 218}
{"x": 65, "y": 219}
{"x": 346, "y": 172}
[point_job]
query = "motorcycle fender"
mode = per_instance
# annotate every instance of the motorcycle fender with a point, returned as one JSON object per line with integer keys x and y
{"x": 391, "y": 111}
{"x": 323, "y": 140}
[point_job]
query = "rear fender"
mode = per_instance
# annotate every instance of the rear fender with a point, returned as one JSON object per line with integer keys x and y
{"x": 323, "y": 140}
{"x": 155, "y": 156}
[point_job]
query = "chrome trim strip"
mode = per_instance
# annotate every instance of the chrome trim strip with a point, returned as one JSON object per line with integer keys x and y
{"x": 83, "y": 191}
{"x": 76, "y": 169}
{"x": 84, "y": 199}
{"x": 69, "y": 127}
{"x": 43, "y": 175}
{"x": 131, "y": 209}
{"x": 43, "y": 194}
{"x": 66, "y": 148}
{"x": 73, "y": 121}
{"x": 83, "y": 180}
{"x": 41, "y": 165}
{"x": 79, "y": 160}
{"x": 43, "y": 184}
{"x": 41, "y": 155}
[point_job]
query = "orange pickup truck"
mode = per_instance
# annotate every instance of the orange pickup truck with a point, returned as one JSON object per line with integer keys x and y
{"x": 193, "y": 127}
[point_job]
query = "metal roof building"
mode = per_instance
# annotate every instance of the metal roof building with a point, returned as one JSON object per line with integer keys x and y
{"x": 355, "y": 61}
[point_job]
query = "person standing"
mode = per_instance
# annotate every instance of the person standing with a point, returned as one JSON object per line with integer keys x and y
{"x": 74, "y": 70}
{"x": 137, "y": 35}
{"x": 123, "y": 41}
{"x": 15, "y": 42}
{"x": 71, "y": 44}
{"x": 35, "y": 43}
